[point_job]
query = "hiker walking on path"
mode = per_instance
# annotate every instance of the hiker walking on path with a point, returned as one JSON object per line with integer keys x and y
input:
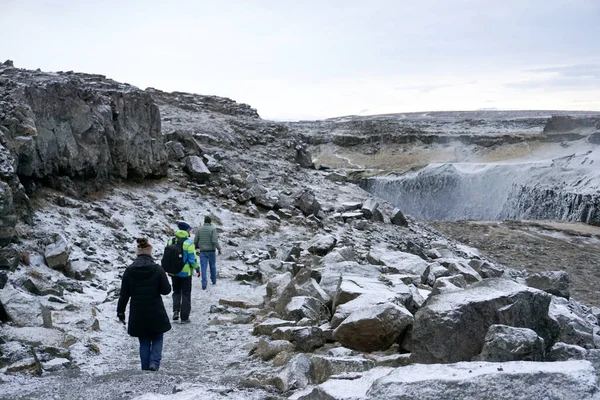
{"x": 144, "y": 281}
{"x": 207, "y": 243}
{"x": 182, "y": 281}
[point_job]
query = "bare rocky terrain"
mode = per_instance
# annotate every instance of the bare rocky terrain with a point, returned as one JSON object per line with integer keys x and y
{"x": 332, "y": 285}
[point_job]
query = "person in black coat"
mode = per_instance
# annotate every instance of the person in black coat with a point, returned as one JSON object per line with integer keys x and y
{"x": 144, "y": 281}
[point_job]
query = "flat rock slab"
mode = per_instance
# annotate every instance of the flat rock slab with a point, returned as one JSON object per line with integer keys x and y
{"x": 567, "y": 380}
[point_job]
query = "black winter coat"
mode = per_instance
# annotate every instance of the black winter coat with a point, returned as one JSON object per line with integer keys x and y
{"x": 144, "y": 281}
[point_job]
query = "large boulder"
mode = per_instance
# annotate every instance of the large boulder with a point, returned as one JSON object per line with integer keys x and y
{"x": 373, "y": 328}
{"x": 398, "y": 218}
{"x": 322, "y": 244}
{"x": 451, "y": 327}
{"x": 576, "y": 326}
{"x": 553, "y": 282}
{"x": 21, "y": 308}
{"x": 507, "y": 343}
{"x": 398, "y": 262}
{"x": 196, "y": 168}
{"x": 516, "y": 380}
{"x": 57, "y": 253}
{"x": 324, "y": 366}
{"x": 306, "y": 202}
{"x": 301, "y": 307}
{"x": 330, "y": 276}
{"x": 296, "y": 374}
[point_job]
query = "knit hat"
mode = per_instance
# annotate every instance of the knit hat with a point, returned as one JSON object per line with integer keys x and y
{"x": 184, "y": 226}
{"x": 143, "y": 247}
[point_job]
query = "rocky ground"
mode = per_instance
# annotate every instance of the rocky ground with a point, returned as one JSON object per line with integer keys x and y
{"x": 537, "y": 246}
{"x": 324, "y": 291}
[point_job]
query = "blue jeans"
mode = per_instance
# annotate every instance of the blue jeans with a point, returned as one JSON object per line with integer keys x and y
{"x": 208, "y": 257}
{"x": 151, "y": 351}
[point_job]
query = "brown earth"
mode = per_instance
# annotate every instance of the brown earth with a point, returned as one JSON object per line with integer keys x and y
{"x": 537, "y": 246}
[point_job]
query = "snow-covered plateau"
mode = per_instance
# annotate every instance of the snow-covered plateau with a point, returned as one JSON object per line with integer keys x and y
{"x": 335, "y": 282}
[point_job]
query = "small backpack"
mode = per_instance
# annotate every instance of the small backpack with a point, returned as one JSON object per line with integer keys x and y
{"x": 172, "y": 260}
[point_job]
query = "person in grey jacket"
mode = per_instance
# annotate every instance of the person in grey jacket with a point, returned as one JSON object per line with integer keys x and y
{"x": 206, "y": 242}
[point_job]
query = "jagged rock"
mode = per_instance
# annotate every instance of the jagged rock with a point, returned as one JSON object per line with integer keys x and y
{"x": 71, "y": 286}
{"x": 398, "y": 218}
{"x": 42, "y": 287}
{"x": 351, "y": 206}
{"x": 304, "y": 158}
{"x": 448, "y": 284}
{"x": 269, "y": 269}
{"x": 21, "y": 308}
{"x": 451, "y": 327}
{"x": 350, "y": 287}
{"x": 9, "y": 257}
{"x": 507, "y": 343}
{"x": 564, "y": 352}
{"x": 398, "y": 262}
{"x": 211, "y": 163}
{"x": 3, "y": 279}
{"x": 276, "y": 287}
{"x": 80, "y": 269}
{"x": 301, "y": 307}
{"x": 175, "y": 150}
{"x": 330, "y": 276}
{"x": 369, "y": 208}
{"x": 57, "y": 253}
{"x": 308, "y": 338}
{"x": 272, "y": 215}
{"x": 338, "y": 255}
{"x": 322, "y": 244}
{"x": 433, "y": 272}
{"x": 291, "y": 253}
{"x": 489, "y": 270}
{"x": 458, "y": 267}
{"x": 267, "y": 350}
{"x": 337, "y": 176}
{"x": 323, "y": 367}
{"x": 196, "y": 168}
{"x": 302, "y": 285}
{"x": 83, "y": 127}
{"x": 576, "y": 326}
{"x": 267, "y": 326}
{"x": 568, "y": 380}
{"x": 296, "y": 374}
{"x": 594, "y": 138}
{"x": 373, "y": 328}
{"x": 553, "y": 282}
{"x": 306, "y": 202}
{"x": 56, "y": 364}
{"x": 345, "y": 386}
{"x": 45, "y": 340}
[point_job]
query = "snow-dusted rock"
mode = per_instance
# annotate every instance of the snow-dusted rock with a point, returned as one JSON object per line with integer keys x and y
{"x": 10, "y": 255}
{"x": 398, "y": 262}
{"x": 57, "y": 253}
{"x": 269, "y": 269}
{"x": 345, "y": 386}
{"x": 448, "y": 284}
{"x": 42, "y": 287}
{"x": 323, "y": 366}
{"x": 21, "y": 308}
{"x": 575, "y": 325}
{"x": 267, "y": 326}
{"x": 462, "y": 268}
{"x": 398, "y": 218}
{"x": 338, "y": 255}
{"x": 451, "y": 327}
{"x": 517, "y": 380}
{"x": 196, "y": 168}
{"x": 301, "y": 307}
{"x": 432, "y": 272}
{"x": 267, "y": 349}
{"x": 80, "y": 270}
{"x": 564, "y": 352}
{"x": 369, "y": 208}
{"x": 277, "y": 285}
{"x": 322, "y": 244}
{"x": 175, "y": 150}
{"x": 486, "y": 269}
{"x": 332, "y": 271}
{"x": 350, "y": 287}
{"x": 306, "y": 202}
{"x": 373, "y": 328}
{"x": 553, "y": 282}
{"x": 296, "y": 374}
{"x": 351, "y": 205}
{"x": 507, "y": 343}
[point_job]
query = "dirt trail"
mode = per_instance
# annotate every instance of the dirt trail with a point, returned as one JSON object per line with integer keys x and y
{"x": 204, "y": 358}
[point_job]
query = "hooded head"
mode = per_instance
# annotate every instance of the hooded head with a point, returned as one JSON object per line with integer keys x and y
{"x": 143, "y": 247}
{"x": 184, "y": 226}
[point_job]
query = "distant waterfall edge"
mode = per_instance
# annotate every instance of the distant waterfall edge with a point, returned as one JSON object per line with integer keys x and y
{"x": 463, "y": 191}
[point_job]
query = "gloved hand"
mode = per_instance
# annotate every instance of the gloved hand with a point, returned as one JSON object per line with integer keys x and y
{"x": 198, "y": 272}
{"x": 121, "y": 317}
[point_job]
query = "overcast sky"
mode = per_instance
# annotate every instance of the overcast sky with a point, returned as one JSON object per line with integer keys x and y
{"x": 317, "y": 59}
